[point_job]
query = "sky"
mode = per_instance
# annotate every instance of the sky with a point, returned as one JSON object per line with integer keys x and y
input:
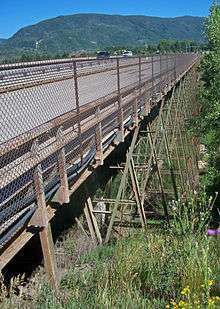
{"x": 15, "y": 14}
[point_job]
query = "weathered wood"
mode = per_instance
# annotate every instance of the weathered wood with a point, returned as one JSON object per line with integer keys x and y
{"x": 42, "y": 221}
{"x": 92, "y": 222}
{"x": 98, "y": 138}
{"x": 120, "y": 108}
{"x": 136, "y": 190}
{"x": 63, "y": 195}
{"x": 122, "y": 183}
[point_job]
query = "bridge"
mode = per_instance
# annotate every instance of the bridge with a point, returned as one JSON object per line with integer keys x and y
{"x": 60, "y": 120}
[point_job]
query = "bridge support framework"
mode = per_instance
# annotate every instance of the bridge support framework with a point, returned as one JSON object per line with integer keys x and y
{"x": 161, "y": 163}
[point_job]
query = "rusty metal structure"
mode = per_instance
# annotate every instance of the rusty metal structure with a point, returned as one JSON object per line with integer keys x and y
{"x": 60, "y": 117}
{"x": 161, "y": 164}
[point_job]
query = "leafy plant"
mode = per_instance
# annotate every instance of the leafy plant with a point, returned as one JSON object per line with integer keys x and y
{"x": 193, "y": 214}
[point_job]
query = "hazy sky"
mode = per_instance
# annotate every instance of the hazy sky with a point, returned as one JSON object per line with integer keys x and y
{"x": 15, "y": 14}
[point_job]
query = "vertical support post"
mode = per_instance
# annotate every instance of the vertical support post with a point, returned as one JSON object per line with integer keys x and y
{"x": 167, "y": 69}
{"x": 45, "y": 232}
{"x": 146, "y": 104}
{"x": 139, "y": 83}
{"x": 136, "y": 191}
{"x": 135, "y": 109}
{"x": 92, "y": 223}
{"x": 139, "y": 74}
{"x": 78, "y": 108}
{"x": 152, "y": 68}
{"x": 63, "y": 192}
{"x": 175, "y": 67}
{"x": 161, "y": 77}
{"x": 98, "y": 137}
{"x": 120, "y": 110}
{"x": 146, "y": 99}
{"x": 122, "y": 183}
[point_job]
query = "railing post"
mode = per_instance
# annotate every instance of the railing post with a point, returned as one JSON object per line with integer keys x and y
{"x": 135, "y": 109}
{"x": 78, "y": 108}
{"x": 120, "y": 109}
{"x": 42, "y": 221}
{"x": 161, "y": 77}
{"x": 141, "y": 97}
{"x": 152, "y": 68}
{"x": 98, "y": 138}
{"x": 175, "y": 63}
{"x": 145, "y": 104}
{"x": 139, "y": 73}
{"x": 63, "y": 192}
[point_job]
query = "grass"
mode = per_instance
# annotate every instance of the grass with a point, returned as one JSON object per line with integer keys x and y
{"x": 159, "y": 268}
{"x": 145, "y": 270}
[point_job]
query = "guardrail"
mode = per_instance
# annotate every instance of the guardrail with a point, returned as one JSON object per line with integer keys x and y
{"x": 59, "y": 116}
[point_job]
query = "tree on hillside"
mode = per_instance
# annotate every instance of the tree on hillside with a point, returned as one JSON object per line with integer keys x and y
{"x": 208, "y": 123}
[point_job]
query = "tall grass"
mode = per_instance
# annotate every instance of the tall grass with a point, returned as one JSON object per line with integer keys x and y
{"x": 193, "y": 214}
{"x": 159, "y": 268}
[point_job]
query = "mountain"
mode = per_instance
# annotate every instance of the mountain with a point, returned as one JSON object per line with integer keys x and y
{"x": 2, "y": 41}
{"x": 97, "y": 31}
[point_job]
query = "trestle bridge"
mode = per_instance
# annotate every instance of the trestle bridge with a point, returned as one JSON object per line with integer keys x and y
{"x": 60, "y": 120}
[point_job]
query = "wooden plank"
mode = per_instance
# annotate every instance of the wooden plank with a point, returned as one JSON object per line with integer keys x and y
{"x": 136, "y": 190}
{"x": 63, "y": 195}
{"x": 94, "y": 221}
{"x": 42, "y": 221}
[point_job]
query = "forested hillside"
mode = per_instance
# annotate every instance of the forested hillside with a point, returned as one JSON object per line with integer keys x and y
{"x": 97, "y": 31}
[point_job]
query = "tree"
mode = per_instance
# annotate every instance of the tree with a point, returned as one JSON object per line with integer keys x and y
{"x": 208, "y": 123}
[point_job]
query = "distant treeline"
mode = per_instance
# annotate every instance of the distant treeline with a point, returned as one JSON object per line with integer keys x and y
{"x": 164, "y": 46}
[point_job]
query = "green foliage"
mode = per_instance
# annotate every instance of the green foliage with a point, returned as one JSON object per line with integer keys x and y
{"x": 146, "y": 271}
{"x": 164, "y": 46}
{"x": 192, "y": 215}
{"x": 181, "y": 46}
{"x": 150, "y": 269}
{"x": 207, "y": 125}
{"x": 213, "y": 27}
{"x": 143, "y": 271}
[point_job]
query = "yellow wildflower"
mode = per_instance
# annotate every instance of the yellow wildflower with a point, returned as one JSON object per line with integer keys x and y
{"x": 182, "y": 304}
{"x": 211, "y": 302}
{"x": 210, "y": 282}
{"x": 216, "y": 298}
{"x": 173, "y": 302}
{"x": 167, "y": 306}
{"x": 185, "y": 291}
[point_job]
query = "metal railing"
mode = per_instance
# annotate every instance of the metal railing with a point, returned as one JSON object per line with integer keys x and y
{"x": 59, "y": 116}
